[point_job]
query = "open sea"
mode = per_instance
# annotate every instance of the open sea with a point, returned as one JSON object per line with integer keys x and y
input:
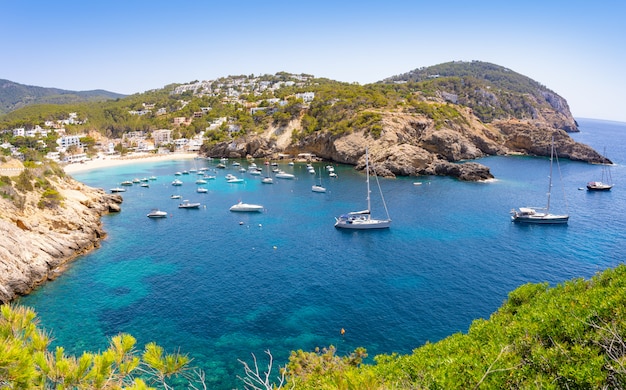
{"x": 220, "y": 285}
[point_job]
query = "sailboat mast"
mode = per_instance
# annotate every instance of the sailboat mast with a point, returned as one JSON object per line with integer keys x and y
{"x": 550, "y": 181}
{"x": 367, "y": 178}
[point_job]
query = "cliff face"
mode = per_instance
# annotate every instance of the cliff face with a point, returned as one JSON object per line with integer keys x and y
{"x": 412, "y": 144}
{"x": 36, "y": 243}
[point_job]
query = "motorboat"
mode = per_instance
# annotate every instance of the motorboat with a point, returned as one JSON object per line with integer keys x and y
{"x": 284, "y": 175}
{"x": 186, "y": 204}
{"x": 202, "y": 190}
{"x": 176, "y": 196}
{"x": 118, "y": 189}
{"x": 246, "y": 207}
{"x": 234, "y": 179}
{"x": 156, "y": 213}
{"x": 177, "y": 182}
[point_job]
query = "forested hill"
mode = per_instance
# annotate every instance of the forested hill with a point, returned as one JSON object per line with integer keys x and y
{"x": 14, "y": 95}
{"x": 492, "y": 91}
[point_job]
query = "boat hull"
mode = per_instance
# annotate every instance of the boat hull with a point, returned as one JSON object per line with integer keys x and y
{"x": 543, "y": 219}
{"x": 598, "y": 186}
{"x": 245, "y": 207}
{"x": 357, "y": 223}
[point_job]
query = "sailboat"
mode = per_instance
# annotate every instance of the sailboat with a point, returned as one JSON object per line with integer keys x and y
{"x": 268, "y": 178}
{"x": 318, "y": 187}
{"x": 533, "y": 214}
{"x": 363, "y": 219}
{"x": 605, "y": 184}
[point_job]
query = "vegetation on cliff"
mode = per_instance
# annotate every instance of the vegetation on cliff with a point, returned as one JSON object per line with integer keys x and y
{"x": 569, "y": 336}
{"x": 493, "y": 92}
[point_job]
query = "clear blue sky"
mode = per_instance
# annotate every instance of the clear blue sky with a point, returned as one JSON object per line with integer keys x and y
{"x": 576, "y": 48}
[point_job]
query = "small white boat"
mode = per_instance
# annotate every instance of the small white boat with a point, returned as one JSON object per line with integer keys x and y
{"x": 202, "y": 190}
{"x": 178, "y": 174}
{"x": 188, "y": 205}
{"x": 234, "y": 180}
{"x": 201, "y": 181}
{"x": 268, "y": 178}
{"x": 152, "y": 178}
{"x": 246, "y": 207}
{"x": 145, "y": 185}
{"x": 118, "y": 189}
{"x": 156, "y": 213}
{"x": 319, "y": 187}
{"x": 255, "y": 172}
{"x": 332, "y": 174}
{"x": 176, "y": 196}
{"x": 177, "y": 182}
{"x": 284, "y": 175}
{"x": 126, "y": 183}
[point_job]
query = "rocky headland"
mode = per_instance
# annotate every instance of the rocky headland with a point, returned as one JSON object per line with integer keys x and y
{"x": 46, "y": 220}
{"x": 412, "y": 144}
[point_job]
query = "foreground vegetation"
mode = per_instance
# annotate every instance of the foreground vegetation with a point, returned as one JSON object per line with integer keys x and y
{"x": 572, "y": 336}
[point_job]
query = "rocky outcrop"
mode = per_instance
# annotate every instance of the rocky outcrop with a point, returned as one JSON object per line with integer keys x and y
{"x": 413, "y": 144}
{"x": 535, "y": 139}
{"x": 35, "y": 243}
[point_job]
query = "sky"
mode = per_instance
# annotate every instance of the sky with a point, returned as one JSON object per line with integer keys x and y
{"x": 575, "y": 48}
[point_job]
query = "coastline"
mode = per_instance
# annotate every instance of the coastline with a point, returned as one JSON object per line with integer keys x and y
{"x": 109, "y": 161}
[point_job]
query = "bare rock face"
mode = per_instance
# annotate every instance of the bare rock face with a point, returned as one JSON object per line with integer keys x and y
{"x": 535, "y": 139}
{"x": 36, "y": 243}
{"x": 413, "y": 144}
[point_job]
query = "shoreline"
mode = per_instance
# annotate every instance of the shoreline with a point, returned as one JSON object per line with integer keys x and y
{"x": 110, "y": 162}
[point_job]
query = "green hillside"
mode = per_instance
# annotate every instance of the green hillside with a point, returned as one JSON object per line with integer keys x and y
{"x": 492, "y": 91}
{"x": 14, "y": 96}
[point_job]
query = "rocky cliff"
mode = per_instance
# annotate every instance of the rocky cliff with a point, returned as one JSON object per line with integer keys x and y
{"x": 413, "y": 144}
{"x": 39, "y": 237}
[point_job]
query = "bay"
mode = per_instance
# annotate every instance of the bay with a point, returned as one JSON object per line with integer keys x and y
{"x": 220, "y": 285}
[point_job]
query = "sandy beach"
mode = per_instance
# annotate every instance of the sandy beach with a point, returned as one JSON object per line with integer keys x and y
{"x": 115, "y": 161}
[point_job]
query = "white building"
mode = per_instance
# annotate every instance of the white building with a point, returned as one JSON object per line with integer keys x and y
{"x": 161, "y": 137}
{"x": 68, "y": 140}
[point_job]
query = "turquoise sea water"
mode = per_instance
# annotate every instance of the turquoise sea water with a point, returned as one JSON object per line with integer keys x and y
{"x": 220, "y": 285}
